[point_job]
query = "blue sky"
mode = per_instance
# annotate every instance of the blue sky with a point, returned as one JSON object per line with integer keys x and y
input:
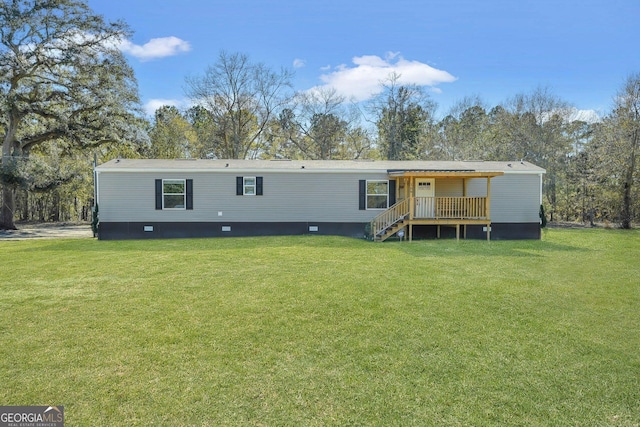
{"x": 581, "y": 49}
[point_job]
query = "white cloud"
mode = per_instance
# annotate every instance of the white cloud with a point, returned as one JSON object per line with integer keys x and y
{"x": 589, "y": 116}
{"x": 298, "y": 63}
{"x": 152, "y": 105}
{"x": 156, "y": 48}
{"x": 572, "y": 114}
{"x": 363, "y": 80}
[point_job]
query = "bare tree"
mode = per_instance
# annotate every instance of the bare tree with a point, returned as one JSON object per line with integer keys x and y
{"x": 535, "y": 127}
{"x": 618, "y": 142}
{"x": 628, "y": 111}
{"x": 241, "y": 98}
{"x": 321, "y": 126}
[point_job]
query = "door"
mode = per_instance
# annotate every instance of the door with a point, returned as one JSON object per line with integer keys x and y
{"x": 425, "y": 192}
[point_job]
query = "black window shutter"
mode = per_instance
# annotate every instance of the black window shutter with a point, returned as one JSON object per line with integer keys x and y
{"x": 392, "y": 192}
{"x": 190, "y": 194}
{"x": 239, "y": 185}
{"x": 158, "y": 194}
{"x": 259, "y": 186}
{"x": 363, "y": 194}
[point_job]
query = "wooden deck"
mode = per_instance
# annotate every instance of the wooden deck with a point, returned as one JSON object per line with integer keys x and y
{"x": 450, "y": 211}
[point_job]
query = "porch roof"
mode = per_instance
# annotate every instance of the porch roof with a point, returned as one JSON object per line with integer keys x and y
{"x": 443, "y": 173}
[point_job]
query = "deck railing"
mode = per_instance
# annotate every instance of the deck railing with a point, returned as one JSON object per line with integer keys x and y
{"x": 430, "y": 208}
{"x": 389, "y": 217}
{"x": 450, "y": 207}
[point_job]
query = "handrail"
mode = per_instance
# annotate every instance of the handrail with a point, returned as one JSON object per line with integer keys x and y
{"x": 390, "y": 217}
{"x": 451, "y": 207}
{"x": 429, "y": 208}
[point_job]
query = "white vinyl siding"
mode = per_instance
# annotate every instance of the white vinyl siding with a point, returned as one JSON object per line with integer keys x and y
{"x": 515, "y": 198}
{"x": 292, "y": 197}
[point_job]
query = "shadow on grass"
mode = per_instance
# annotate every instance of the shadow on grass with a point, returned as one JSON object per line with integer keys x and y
{"x": 560, "y": 241}
{"x": 193, "y": 244}
{"x": 502, "y": 248}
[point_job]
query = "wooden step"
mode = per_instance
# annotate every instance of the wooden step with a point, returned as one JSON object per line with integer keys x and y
{"x": 390, "y": 231}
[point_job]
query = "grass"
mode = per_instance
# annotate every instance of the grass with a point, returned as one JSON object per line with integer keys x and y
{"x": 315, "y": 330}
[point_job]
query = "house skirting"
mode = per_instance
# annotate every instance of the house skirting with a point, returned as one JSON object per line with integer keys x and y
{"x": 167, "y": 230}
{"x": 499, "y": 231}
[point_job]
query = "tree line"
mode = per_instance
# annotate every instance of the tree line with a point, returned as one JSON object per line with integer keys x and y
{"x": 67, "y": 95}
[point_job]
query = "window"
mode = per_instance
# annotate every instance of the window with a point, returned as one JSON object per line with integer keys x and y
{"x": 249, "y": 185}
{"x": 377, "y": 194}
{"x": 174, "y": 194}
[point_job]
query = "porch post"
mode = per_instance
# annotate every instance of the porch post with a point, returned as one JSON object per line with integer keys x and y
{"x": 406, "y": 188}
{"x": 411, "y": 199}
{"x": 488, "y": 208}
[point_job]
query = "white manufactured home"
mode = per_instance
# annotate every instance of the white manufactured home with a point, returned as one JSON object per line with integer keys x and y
{"x": 377, "y": 199}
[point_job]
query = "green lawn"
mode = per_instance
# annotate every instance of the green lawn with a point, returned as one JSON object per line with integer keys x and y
{"x": 321, "y": 331}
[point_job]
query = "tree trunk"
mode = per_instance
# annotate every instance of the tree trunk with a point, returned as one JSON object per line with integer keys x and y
{"x": 627, "y": 203}
{"x": 9, "y": 145}
{"x": 626, "y": 207}
{"x": 8, "y": 193}
{"x": 55, "y": 207}
{"x": 8, "y": 205}
{"x": 24, "y": 215}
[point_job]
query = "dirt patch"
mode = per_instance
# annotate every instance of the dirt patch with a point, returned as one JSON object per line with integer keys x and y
{"x": 48, "y": 231}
